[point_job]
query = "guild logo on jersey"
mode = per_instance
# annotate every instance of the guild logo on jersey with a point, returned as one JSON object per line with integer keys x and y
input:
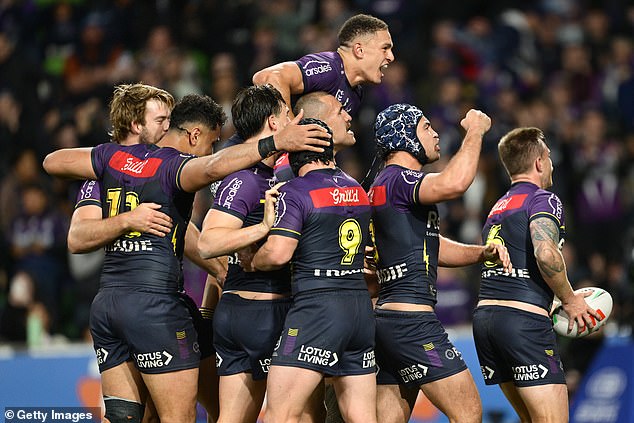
{"x": 511, "y": 203}
{"x": 133, "y": 166}
{"x": 316, "y": 67}
{"x": 348, "y": 196}
{"x": 153, "y": 359}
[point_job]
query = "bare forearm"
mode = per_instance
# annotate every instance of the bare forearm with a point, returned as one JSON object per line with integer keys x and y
{"x": 70, "y": 163}
{"x": 455, "y": 254}
{"x": 91, "y": 234}
{"x": 264, "y": 259}
{"x": 550, "y": 261}
{"x": 462, "y": 168}
{"x": 215, "y": 242}
{"x": 212, "y": 293}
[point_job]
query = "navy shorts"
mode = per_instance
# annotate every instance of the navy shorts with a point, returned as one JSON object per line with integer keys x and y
{"x": 412, "y": 349}
{"x": 246, "y": 332}
{"x": 155, "y": 330}
{"x": 516, "y": 345}
{"x": 204, "y": 328}
{"x": 329, "y": 331}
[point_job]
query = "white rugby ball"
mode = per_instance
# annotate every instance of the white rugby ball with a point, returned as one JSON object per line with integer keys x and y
{"x": 600, "y": 300}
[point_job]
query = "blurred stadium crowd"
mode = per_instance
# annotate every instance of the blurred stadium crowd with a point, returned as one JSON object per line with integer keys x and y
{"x": 562, "y": 65}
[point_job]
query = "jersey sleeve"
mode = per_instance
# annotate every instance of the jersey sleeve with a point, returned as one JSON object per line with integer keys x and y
{"x": 406, "y": 187}
{"x": 289, "y": 214}
{"x": 89, "y": 194}
{"x": 318, "y": 72}
{"x": 546, "y": 204}
{"x": 237, "y": 195}
{"x": 177, "y": 162}
{"x": 100, "y": 155}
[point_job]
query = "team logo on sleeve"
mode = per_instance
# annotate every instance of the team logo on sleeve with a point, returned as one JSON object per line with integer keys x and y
{"x": 411, "y": 176}
{"x": 229, "y": 192}
{"x": 316, "y": 67}
{"x": 280, "y": 208}
{"x": 555, "y": 203}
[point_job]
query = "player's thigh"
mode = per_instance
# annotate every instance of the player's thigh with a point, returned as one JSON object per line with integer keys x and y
{"x": 315, "y": 409}
{"x": 456, "y": 396}
{"x": 288, "y": 389}
{"x": 513, "y": 396}
{"x": 394, "y": 403}
{"x": 174, "y": 394}
{"x": 546, "y": 403}
{"x": 241, "y": 398}
{"x": 123, "y": 381}
{"x": 208, "y": 387}
{"x": 356, "y": 395}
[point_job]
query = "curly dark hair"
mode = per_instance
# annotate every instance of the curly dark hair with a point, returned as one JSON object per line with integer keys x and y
{"x": 199, "y": 109}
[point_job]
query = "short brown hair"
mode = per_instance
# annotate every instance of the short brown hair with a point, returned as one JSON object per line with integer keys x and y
{"x": 519, "y": 147}
{"x": 359, "y": 25}
{"x": 128, "y": 105}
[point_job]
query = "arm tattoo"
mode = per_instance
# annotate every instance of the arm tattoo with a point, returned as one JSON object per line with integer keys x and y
{"x": 545, "y": 237}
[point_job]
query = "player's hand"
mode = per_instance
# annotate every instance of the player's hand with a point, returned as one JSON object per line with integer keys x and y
{"x": 498, "y": 253}
{"x": 270, "y": 200}
{"x": 148, "y": 219}
{"x": 369, "y": 260}
{"x": 475, "y": 120}
{"x": 296, "y": 137}
{"x": 245, "y": 255}
{"x": 579, "y": 311}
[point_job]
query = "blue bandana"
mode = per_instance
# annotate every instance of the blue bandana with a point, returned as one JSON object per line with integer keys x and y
{"x": 395, "y": 130}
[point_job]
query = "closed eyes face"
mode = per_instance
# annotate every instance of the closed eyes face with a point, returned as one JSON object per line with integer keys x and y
{"x": 338, "y": 120}
{"x": 157, "y": 119}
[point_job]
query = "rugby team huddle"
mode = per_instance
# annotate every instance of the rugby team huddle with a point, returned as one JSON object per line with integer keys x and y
{"x": 321, "y": 279}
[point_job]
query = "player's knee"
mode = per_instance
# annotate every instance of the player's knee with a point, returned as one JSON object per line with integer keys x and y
{"x": 123, "y": 411}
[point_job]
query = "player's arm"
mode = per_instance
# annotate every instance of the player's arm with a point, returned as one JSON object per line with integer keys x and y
{"x": 73, "y": 163}
{"x": 223, "y": 233}
{"x": 216, "y": 267}
{"x": 460, "y": 171}
{"x": 456, "y": 254}
{"x": 89, "y": 231}
{"x": 285, "y": 76}
{"x": 275, "y": 253}
{"x": 201, "y": 171}
{"x": 545, "y": 237}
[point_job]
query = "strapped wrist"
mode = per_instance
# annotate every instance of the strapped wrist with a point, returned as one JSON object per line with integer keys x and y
{"x": 266, "y": 147}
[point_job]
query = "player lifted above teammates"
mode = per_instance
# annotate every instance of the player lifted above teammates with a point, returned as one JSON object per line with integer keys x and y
{"x": 365, "y": 50}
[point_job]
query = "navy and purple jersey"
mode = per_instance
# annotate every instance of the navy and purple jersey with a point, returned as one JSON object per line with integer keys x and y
{"x": 406, "y": 235}
{"x": 324, "y": 72}
{"x": 241, "y": 194}
{"x": 328, "y": 212}
{"x": 508, "y": 224}
{"x": 129, "y": 176}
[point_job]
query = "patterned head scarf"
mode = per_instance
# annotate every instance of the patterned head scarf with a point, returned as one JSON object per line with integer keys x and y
{"x": 395, "y": 130}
